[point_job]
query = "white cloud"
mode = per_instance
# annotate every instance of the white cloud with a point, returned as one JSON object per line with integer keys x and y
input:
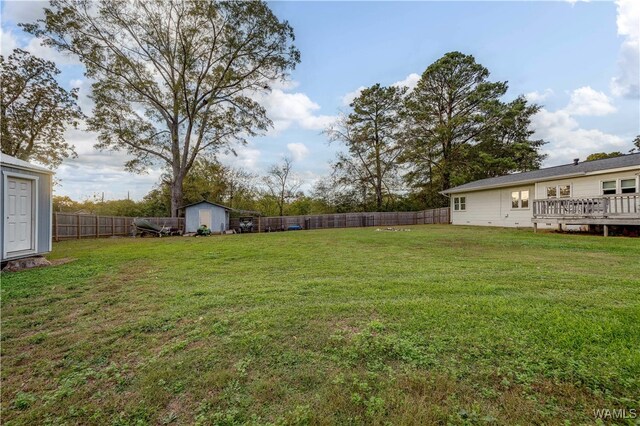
{"x": 247, "y": 158}
{"x": 97, "y": 172}
{"x": 84, "y": 101}
{"x": 8, "y": 42}
{"x": 286, "y": 109}
{"x": 28, "y": 12}
{"x": 23, "y": 11}
{"x": 536, "y": 96}
{"x": 567, "y": 140}
{"x": 627, "y": 82}
{"x": 12, "y": 39}
{"x": 409, "y": 82}
{"x": 74, "y": 177}
{"x": 298, "y": 151}
{"x": 35, "y": 47}
{"x": 349, "y": 97}
{"x": 587, "y": 101}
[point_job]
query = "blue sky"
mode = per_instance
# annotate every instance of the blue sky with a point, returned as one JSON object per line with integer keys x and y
{"x": 579, "y": 60}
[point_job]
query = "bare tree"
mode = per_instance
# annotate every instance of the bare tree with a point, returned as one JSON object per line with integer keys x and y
{"x": 281, "y": 183}
{"x": 174, "y": 78}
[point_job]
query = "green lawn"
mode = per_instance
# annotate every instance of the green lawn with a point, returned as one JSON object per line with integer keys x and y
{"x": 442, "y": 324}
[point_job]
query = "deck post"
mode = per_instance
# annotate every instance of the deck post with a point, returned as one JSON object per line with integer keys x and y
{"x": 560, "y": 227}
{"x": 535, "y": 227}
{"x": 606, "y": 230}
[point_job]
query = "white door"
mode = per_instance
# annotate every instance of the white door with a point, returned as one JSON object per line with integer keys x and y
{"x": 204, "y": 217}
{"x": 19, "y": 215}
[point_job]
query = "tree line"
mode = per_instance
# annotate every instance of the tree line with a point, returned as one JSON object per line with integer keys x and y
{"x": 175, "y": 85}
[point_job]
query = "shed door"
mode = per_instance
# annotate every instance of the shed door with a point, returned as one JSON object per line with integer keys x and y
{"x": 19, "y": 215}
{"x": 204, "y": 217}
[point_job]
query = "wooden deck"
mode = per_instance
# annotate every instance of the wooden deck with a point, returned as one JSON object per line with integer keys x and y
{"x": 619, "y": 209}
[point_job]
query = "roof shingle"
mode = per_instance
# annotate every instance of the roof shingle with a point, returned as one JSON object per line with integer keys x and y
{"x": 566, "y": 170}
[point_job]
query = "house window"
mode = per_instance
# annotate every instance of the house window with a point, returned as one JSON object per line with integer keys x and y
{"x": 520, "y": 200}
{"x": 459, "y": 203}
{"x": 628, "y": 186}
{"x": 515, "y": 199}
{"x": 524, "y": 199}
{"x": 564, "y": 191}
{"x": 609, "y": 187}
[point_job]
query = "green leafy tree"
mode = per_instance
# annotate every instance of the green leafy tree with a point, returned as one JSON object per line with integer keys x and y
{"x": 35, "y": 110}
{"x": 337, "y": 197}
{"x": 458, "y": 129}
{"x": 173, "y": 78}
{"x": 506, "y": 147}
{"x": 636, "y": 143}
{"x": 63, "y": 203}
{"x": 207, "y": 180}
{"x": 371, "y": 133}
{"x": 603, "y": 155}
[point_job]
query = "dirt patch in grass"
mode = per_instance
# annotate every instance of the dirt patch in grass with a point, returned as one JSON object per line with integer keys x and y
{"x": 62, "y": 261}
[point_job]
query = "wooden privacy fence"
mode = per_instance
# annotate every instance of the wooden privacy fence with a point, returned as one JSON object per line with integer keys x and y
{"x": 68, "y": 226}
{"x": 348, "y": 220}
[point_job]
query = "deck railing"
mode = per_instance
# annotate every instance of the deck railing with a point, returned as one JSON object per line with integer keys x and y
{"x": 601, "y": 206}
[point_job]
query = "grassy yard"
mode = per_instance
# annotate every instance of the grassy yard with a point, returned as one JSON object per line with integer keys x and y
{"x": 438, "y": 325}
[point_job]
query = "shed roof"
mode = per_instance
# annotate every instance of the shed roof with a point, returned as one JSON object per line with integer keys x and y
{"x": 21, "y": 164}
{"x": 549, "y": 173}
{"x": 205, "y": 202}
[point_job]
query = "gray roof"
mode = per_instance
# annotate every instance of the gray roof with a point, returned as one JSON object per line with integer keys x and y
{"x": 550, "y": 173}
{"x": 205, "y": 202}
{"x": 21, "y": 164}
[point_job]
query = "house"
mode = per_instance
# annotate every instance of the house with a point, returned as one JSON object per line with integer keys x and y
{"x": 27, "y": 196}
{"x": 215, "y": 216}
{"x": 601, "y": 192}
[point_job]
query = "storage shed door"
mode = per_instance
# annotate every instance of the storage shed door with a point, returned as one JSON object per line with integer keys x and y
{"x": 19, "y": 215}
{"x": 204, "y": 217}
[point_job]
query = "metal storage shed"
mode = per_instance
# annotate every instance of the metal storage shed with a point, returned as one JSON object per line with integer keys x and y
{"x": 27, "y": 196}
{"x": 215, "y": 216}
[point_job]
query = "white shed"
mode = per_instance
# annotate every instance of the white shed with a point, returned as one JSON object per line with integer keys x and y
{"x": 215, "y": 216}
{"x": 27, "y": 196}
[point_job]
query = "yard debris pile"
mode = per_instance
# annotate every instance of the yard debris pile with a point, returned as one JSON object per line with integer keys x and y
{"x": 394, "y": 229}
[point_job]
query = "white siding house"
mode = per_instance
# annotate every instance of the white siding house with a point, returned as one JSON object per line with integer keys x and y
{"x": 600, "y": 192}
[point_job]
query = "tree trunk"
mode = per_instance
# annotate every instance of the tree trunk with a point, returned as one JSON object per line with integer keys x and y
{"x": 176, "y": 194}
{"x": 379, "y": 196}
